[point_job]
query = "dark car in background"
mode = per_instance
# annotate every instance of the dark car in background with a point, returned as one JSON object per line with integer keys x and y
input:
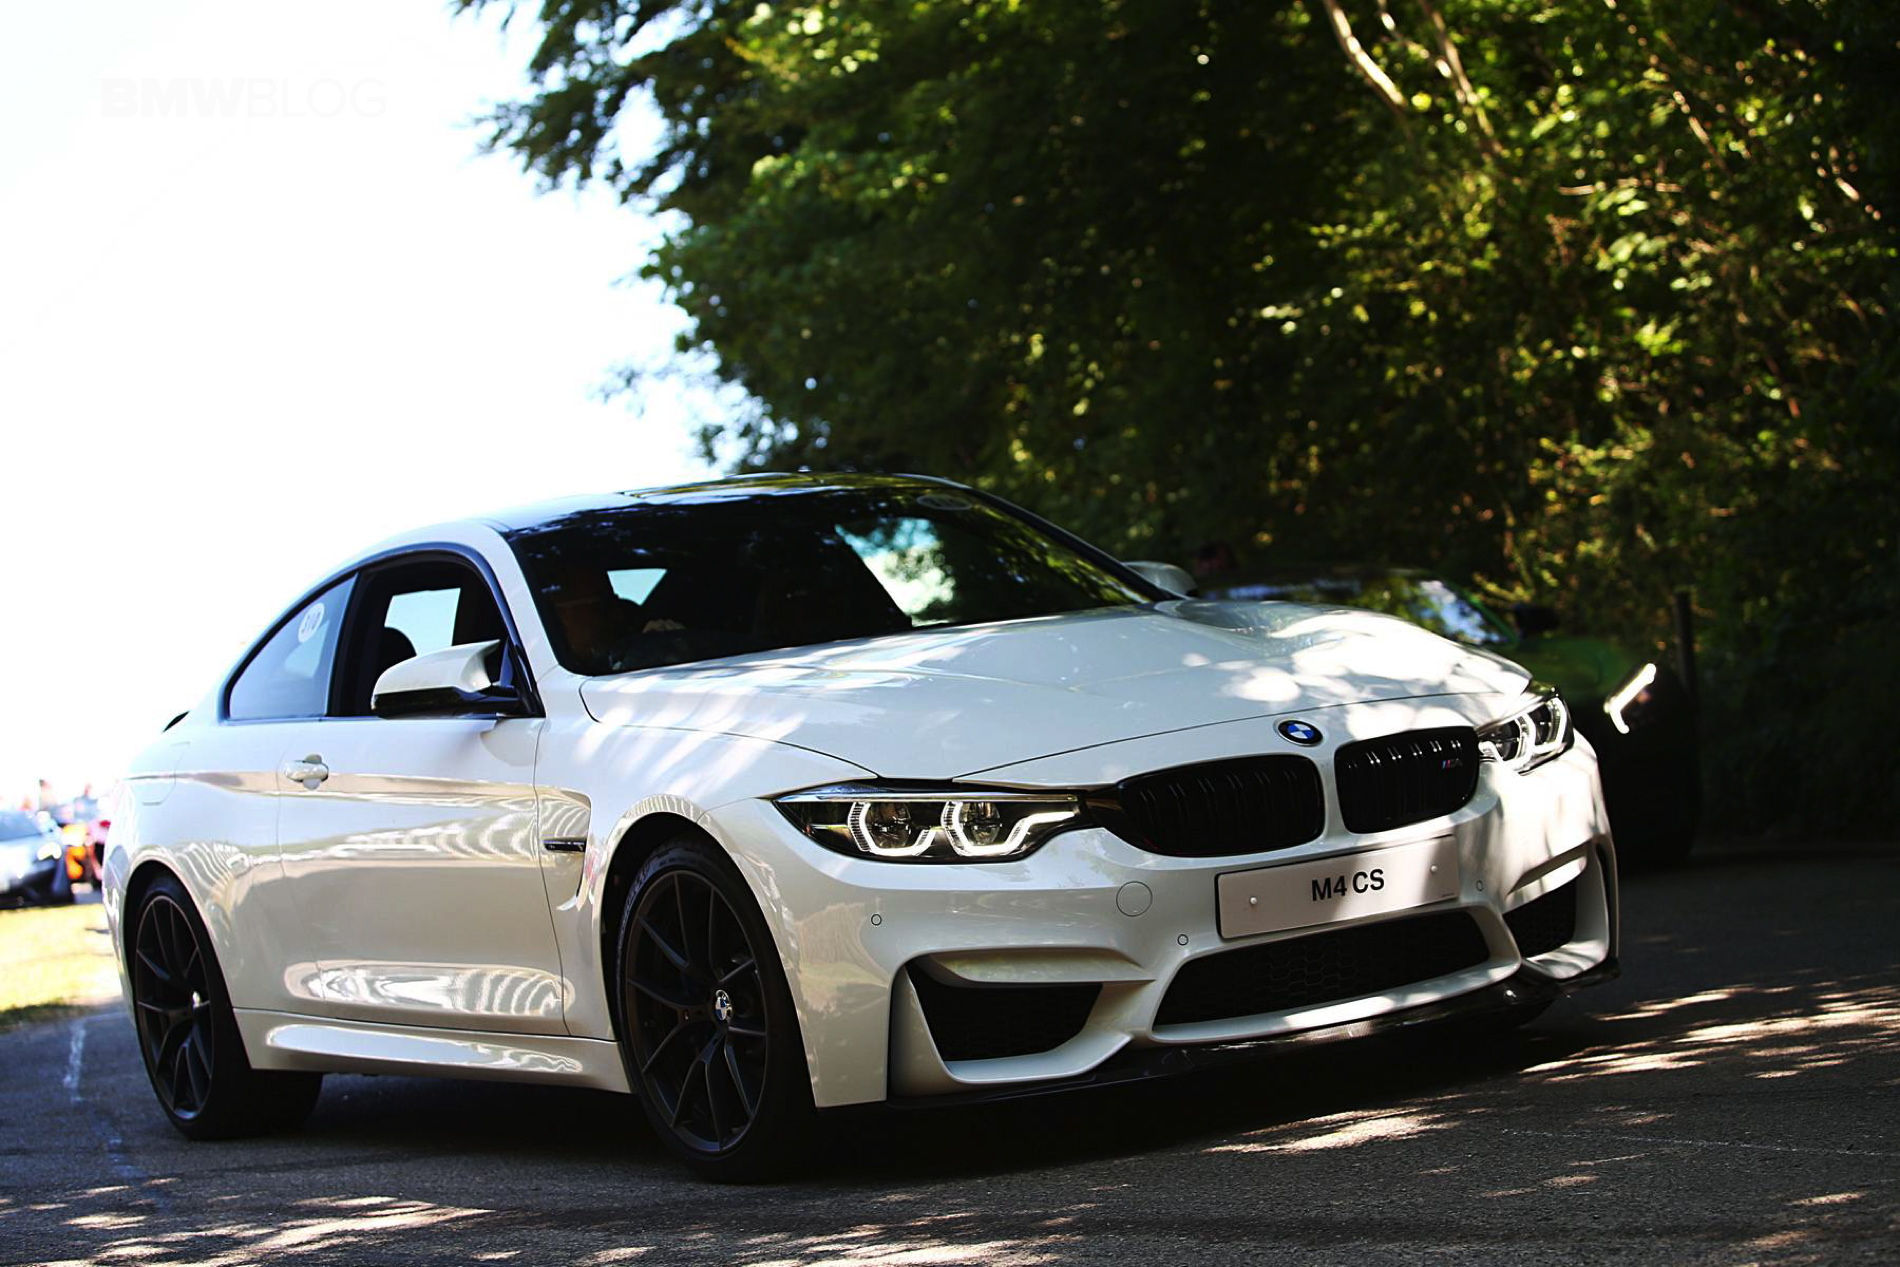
{"x": 32, "y": 861}
{"x": 1635, "y": 710}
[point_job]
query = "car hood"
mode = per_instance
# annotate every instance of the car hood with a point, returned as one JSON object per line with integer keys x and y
{"x": 948, "y": 702}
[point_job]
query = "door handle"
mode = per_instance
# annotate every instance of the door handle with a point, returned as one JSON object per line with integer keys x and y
{"x": 311, "y": 772}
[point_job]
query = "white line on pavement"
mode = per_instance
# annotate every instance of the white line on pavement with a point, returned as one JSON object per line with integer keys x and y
{"x": 75, "y": 1056}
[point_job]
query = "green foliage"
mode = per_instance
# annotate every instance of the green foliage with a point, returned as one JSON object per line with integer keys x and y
{"x": 1593, "y": 299}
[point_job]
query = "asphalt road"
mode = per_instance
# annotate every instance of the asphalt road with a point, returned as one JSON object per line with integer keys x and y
{"x": 1735, "y": 1098}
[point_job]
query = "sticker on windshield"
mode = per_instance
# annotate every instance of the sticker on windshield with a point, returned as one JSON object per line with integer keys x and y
{"x": 312, "y": 621}
{"x": 943, "y": 501}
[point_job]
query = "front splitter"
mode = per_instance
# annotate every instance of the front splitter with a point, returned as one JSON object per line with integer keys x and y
{"x": 1523, "y": 989}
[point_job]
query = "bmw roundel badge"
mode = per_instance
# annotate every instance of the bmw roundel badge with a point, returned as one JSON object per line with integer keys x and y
{"x": 1301, "y": 733}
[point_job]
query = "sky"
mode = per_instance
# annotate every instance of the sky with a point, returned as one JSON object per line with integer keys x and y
{"x": 263, "y": 303}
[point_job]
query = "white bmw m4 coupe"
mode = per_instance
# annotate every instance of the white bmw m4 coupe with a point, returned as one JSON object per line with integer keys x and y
{"x": 759, "y": 797}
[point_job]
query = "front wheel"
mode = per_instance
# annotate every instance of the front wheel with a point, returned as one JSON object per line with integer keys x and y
{"x": 707, "y": 1028}
{"x": 188, "y": 1034}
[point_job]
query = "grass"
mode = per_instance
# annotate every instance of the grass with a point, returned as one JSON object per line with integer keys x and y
{"x": 54, "y": 961}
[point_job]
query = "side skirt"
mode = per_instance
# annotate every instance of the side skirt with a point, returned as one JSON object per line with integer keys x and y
{"x": 283, "y": 1040}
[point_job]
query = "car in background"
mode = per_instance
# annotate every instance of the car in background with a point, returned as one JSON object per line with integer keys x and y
{"x": 1635, "y": 711}
{"x": 32, "y": 861}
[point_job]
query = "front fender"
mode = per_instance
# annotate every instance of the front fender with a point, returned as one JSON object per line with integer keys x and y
{"x": 596, "y": 784}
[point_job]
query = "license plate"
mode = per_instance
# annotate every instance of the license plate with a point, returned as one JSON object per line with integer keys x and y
{"x": 1300, "y": 894}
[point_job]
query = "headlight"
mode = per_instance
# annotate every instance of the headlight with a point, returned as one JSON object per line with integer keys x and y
{"x": 1626, "y": 703}
{"x": 1530, "y": 736}
{"x": 930, "y": 824}
{"x": 51, "y": 847}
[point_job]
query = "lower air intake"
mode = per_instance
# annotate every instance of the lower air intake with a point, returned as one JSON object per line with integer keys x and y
{"x": 1322, "y": 968}
{"x": 987, "y": 1022}
{"x": 1546, "y": 923}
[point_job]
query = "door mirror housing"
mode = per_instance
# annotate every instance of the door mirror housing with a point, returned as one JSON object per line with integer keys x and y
{"x": 452, "y": 682}
{"x": 1174, "y": 579}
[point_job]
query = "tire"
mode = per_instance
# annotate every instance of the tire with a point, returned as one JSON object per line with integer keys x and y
{"x": 188, "y": 1035}
{"x": 707, "y": 1029}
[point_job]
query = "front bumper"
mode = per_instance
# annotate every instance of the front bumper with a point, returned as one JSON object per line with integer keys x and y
{"x": 1090, "y": 910}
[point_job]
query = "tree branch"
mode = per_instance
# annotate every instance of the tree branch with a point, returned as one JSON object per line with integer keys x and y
{"x": 1361, "y": 60}
{"x": 1454, "y": 68}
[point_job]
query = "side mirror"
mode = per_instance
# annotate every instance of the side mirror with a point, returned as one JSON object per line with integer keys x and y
{"x": 451, "y": 682}
{"x": 1169, "y": 577}
{"x": 1532, "y": 619}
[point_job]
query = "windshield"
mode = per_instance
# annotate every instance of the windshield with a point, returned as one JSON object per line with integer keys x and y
{"x": 1423, "y": 600}
{"x": 664, "y": 583}
{"x": 17, "y": 826}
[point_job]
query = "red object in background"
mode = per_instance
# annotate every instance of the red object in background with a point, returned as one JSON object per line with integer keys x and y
{"x": 85, "y": 850}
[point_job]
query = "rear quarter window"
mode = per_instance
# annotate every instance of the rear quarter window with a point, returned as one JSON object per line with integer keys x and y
{"x": 289, "y": 676}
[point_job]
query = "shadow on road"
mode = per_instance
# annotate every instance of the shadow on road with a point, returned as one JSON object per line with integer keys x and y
{"x": 1730, "y": 1100}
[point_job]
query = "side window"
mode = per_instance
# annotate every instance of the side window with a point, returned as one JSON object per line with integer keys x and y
{"x": 411, "y": 609}
{"x": 426, "y": 618}
{"x": 290, "y": 674}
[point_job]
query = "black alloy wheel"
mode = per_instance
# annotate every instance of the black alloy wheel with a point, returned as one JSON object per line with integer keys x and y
{"x": 707, "y": 1023}
{"x": 171, "y": 998}
{"x": 188, "y": 1034}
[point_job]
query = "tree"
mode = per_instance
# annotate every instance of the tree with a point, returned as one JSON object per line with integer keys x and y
{"x": 1590, "y": 298}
